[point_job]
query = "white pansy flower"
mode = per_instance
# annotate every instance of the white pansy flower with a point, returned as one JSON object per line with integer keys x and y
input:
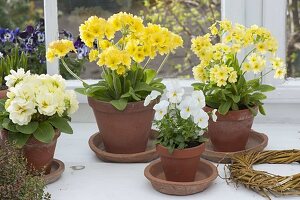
{"x": 153, "y": 95}
{"x": 213, "y": 115}
{"x": 71, "y": 101}
{"x": 20, "y": 111}
{"x": 201, "y": 119}
{"x": 1, "y": 55}
{"x": 187, "y": 107}
{"x": 201, "y": 132}
{"x": 46, "y": 103}
{"x": 199, "y": 96}
{"x": 174, "y": 93}
{"x": 16, "y": 77}
{"x": 161, "y": 109}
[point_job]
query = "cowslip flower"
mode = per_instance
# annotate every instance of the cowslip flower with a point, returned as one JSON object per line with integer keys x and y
{"x": 153, "y": 95}
{"x": 161, "y": 109}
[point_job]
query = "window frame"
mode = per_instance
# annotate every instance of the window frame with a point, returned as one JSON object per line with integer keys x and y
{"x": 247, "y": 12}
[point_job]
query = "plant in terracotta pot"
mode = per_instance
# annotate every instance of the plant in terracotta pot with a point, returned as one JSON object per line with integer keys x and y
{"x": 181, "y": 124}
{"x": 37, "y": 110}
{"x": 222, "y": 76}
{"x": 119, "y": 45}
{"x": 13, "y": 61}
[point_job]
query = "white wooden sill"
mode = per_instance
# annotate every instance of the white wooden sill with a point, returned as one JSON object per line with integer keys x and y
{"x": 114, "y": 181}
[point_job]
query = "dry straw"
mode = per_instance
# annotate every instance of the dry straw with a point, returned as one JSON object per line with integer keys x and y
{"x": 241, "y": 171}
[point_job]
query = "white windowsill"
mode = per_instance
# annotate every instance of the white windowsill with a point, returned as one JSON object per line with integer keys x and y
{"x": 115, "y": 181}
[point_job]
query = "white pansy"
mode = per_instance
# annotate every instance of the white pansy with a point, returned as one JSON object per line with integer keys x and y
{"x": 46, "y": 103}
{"x": 201, "y": 119}
{"x": 72, "y": 102}
{"x": 20, "y": 111}
{"x": 161, "y": 109}
{"x": 201, "y": 132}
{"x": 213, "y": 115}
{"x": 153, "y": 95}
{"x": 1, "y": 55}
{"x": 174, "y": 92}
{"x": 199, "y": 96}
{"x": 16, "y": 77}
{"x": 187, "y": 107}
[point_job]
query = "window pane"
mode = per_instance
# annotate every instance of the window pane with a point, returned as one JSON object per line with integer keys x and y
{"x": 293, "y": 38}
{"x": 22, "y": 30}
{"x": 187, "y": 18}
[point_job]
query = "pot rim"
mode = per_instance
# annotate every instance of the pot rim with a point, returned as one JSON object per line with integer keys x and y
{"x": 181, "y": 153}
{"x": 236, "y": 115}
{"x": 105, "y": 106}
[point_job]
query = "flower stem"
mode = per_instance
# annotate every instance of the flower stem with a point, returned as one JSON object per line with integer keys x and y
{"x": 72, "y": 73}
{"x": 246, "y": 56}
{"x": 163, "y": 63}
{"x": 146, "y": 64}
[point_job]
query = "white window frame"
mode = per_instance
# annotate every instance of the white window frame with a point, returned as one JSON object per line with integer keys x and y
{"x": 268, "y": 13}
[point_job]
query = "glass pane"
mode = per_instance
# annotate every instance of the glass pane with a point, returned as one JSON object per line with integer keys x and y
{"x": 293, "y": 38}
{"x": 22, "y": 31}
{"x": 187, "y": 18}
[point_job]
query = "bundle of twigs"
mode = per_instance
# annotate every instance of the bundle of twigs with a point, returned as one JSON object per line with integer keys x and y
{"x": 241, "y": 171}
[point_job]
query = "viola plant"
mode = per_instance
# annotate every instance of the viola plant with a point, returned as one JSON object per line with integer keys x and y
{"x": 181, "y": 121}
{"x": 36, "y": 106}
{"x": 222, "y": 75}
{"x": 119, "y": 45}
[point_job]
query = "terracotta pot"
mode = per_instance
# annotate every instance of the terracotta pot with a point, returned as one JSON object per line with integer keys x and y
{"x": 3, "y": 94}
{"x": 39, "y": 155}
{"x": 230, "y": 132}
{"x": 181, "y": 165}
{"x": 127, "y": 131}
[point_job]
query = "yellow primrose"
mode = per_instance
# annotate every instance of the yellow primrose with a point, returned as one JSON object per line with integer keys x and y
{"x": 280, "y": 73}
{"x": 93, "y": 55}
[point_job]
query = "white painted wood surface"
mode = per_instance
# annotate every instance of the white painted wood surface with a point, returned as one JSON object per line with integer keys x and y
{"x": 113, "y": 181}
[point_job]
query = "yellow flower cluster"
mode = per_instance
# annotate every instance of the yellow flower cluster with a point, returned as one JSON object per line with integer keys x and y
{"x": 215, "y": 66}
{"x": 135, "y": 43}
{"x": 59, "y": 49}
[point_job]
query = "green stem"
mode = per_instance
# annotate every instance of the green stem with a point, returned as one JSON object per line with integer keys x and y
{"x": 247, "y": 56}
{"x": 70, "y": 71}
{"x": 163, "y": 63}
{"x": 146, "y": 64}
{"x": 266, "y": 73}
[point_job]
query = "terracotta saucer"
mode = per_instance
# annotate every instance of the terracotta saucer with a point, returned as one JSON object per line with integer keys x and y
{"x": 96, "y": 144}
{"x": 257, "y": 142}
{"x": 57, "y": 168}
{"x": 206, "y": 173}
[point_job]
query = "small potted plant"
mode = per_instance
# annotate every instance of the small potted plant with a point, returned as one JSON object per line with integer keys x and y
{"x": 181, "y": 123}
{"x": 222, "y": 77}
{"x": 119, "y": 45}
{"x": 38, "y": 108}
{"x": 8, "y": 62}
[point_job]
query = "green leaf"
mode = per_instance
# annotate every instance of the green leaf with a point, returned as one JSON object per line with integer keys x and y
{"x": 133, "y": 94}
{"x": 81, "y": 90}
{"x": 20, "y": 139}
{"x": 141, "y": 86}
{"x": 235, "y": 98}
{"x": 150, "y": 75}
{"x": 258, "y": 96}
{"x": 9, "y": 125}
{"x": 265, "y": 88}
{"x": 117, "y": 85}
{"x": 93, "y": 89}
{"x": 254, "y": 83}
{"x": 261, "y": 109}
{"x": 29, "y": 128}
{"x": 253, "y": 111}
{"x": 2, "y": 105}
{"x": 45, "y": 132}
{"x": 224, "y": 107}
{"x": 119, "y": 104}
{"x": 61, "y": 124}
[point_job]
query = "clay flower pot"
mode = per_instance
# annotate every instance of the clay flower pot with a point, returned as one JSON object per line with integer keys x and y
{"x": 39, "y": 155}
{"x": 127, "y": 131}
{"x": 182, "y": 164}
{"x": 230, "y": 132}
{"x": 3, "y": 94}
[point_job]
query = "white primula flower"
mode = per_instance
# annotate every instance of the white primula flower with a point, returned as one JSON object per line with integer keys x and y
{"x": 174, "y": 93}
{"x": 16, "y": 77}
{"x": 153, "y": 95}
{"x": 58, "y": 81}
{"x": 23, "y": 91}
{"x": 71, "y": 102}
{"x": 199, "y": 96}
{"x": 20, "y": 111}
{"x": 201, "y": 119}
{"x": 187, "y": 107}
{"x": 213, "y": 115}
{"x": 161, "y": 109}
{"x": 46, "y": 103}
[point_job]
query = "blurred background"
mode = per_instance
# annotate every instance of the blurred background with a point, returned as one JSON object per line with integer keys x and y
{"x": 188, "y": 18}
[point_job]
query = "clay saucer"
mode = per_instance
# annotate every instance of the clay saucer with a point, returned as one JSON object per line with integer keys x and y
{"x": 206, "y": 173}
{"x": 96, "y": 144}
{"x": 257, "y": 142}
{"x": 57, "y": 168}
